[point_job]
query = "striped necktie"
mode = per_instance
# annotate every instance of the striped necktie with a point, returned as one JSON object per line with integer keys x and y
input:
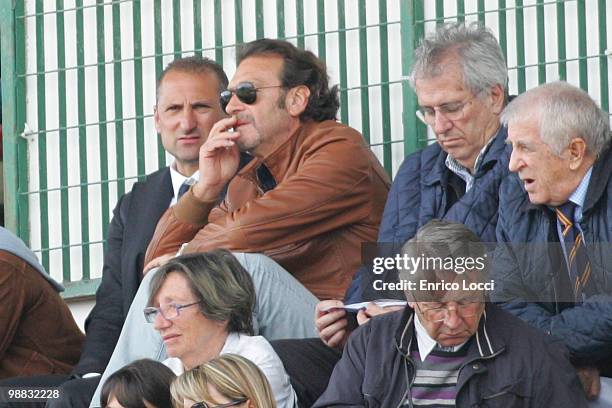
{"x": 575, "y": 250}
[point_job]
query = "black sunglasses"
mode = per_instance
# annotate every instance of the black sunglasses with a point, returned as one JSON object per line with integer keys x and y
{"x": 245, "y": 91}
{"x": 229, "y": 404}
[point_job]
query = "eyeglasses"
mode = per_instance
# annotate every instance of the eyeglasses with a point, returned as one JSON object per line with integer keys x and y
{"x": 439, "y": 314}
{"x": 229, "y": 404}
{"x": 451, "y": 111}
{"x": 170, "y": 311}
{"x": 245, "y": 91}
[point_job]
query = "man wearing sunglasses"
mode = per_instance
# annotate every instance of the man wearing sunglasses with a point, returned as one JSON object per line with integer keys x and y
{"x": 313, "y": 192}
{"x": 449, "y": 347}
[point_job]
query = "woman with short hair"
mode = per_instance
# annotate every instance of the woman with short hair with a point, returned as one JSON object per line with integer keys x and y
{"x": 202, "y": 305}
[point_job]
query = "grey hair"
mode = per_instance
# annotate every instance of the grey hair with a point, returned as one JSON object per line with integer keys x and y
{"x": 478, "y": 51}
{"x": 443, "y": 241}
{"x": 562, "y": 112}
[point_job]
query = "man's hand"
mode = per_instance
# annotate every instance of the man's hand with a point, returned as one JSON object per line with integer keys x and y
{"x": 589, "y": 377}
{"x": 331, "y": 322}
{"x": 219, "y": 160}
{"x": 364, "y": 315}
{"x": 157, "y": 262}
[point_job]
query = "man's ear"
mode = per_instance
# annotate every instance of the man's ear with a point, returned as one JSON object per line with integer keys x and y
{"x": 496, "y": 96}
{"x": 297, "y": 99}
{"x": 156, "y": 118}
{"x": 577, "y": 150}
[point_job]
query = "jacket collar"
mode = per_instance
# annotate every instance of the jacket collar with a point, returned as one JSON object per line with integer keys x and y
{"x": 439, "y": 172}
{"x": 600, "y": 178}
{"x": 485, "y": 343}
{"x": 278, "y": 160}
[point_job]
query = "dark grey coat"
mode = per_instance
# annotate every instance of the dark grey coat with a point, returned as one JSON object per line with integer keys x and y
{"x": 509, "y": 365}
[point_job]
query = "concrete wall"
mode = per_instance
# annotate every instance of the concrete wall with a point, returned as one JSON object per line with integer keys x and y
{"x": 80, "y": 309}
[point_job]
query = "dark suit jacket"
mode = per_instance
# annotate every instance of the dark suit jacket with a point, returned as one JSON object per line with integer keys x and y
{"x": 129, "y": 233}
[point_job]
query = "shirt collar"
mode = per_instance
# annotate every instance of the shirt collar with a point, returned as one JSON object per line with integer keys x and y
{"x": 424, "y": 341}
{"x": 579, "y": 195}
{"x": 178, "y": 179}
{"x": 463, "y": 172}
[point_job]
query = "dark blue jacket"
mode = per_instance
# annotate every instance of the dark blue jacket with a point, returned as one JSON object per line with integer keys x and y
{"x": 421, "y": 192}
{"x": 533, "y": 278}
{"x": 508, "y": 365}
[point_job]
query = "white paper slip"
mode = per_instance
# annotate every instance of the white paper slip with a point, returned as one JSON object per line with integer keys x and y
{"x": 355, "y": 307}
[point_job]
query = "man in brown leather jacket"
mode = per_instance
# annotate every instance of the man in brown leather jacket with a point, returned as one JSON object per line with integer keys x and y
{"x": 314, "y": 191}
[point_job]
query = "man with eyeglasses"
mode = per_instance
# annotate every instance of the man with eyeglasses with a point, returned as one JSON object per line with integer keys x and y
{"x": 451, "y": 348}
{"x": 460, "y": 76}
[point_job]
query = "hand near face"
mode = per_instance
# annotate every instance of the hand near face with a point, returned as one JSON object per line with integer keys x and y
{"x": 364, "y": 315}
{"x": 218, "y": 161}
{"x": 331, "y": 322}
{"x": 589, "y": 377}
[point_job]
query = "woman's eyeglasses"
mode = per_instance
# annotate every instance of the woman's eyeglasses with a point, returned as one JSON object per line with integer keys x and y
{"x": 169, "y": 311}
{"x": 229, "y": 404}
{"x": 245, "y": 91}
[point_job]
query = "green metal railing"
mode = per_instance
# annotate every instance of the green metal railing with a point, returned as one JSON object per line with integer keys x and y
{"x": 84, "y": 84}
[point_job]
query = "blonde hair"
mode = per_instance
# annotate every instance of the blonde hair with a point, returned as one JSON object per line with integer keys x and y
{"x": 233, "y": 376}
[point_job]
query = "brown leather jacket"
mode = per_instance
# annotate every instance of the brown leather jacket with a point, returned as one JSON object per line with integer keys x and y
{"x": 37, "y": 332}
{"x": 329, "y": 198}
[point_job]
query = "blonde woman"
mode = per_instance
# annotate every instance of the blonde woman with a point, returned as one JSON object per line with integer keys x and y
{"x": 227, "y": 381}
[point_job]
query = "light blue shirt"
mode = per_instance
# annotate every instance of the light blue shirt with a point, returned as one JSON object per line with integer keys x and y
{"x": 463, "y": 172}
{"x": 577, "y": 197}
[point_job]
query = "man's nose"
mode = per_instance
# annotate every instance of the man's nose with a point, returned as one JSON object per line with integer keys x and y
{"x": 234, "y": 105}
{"x": 515, "y": 163}
{"x": 453, "y": 320}
{"x": 188, "y": 119}
{"x": 441, "y": 123}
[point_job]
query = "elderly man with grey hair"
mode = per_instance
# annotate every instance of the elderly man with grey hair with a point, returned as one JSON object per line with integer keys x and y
{"x": 553, "y": 267}
{"x": 449, "y": 348}
{"x": 459, "y": 76}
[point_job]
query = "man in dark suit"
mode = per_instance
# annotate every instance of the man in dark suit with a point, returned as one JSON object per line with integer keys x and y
{"x": 187, "y": 107}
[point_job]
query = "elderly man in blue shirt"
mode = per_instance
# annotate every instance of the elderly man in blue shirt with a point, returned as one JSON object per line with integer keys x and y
{"x": 553, "y": 267}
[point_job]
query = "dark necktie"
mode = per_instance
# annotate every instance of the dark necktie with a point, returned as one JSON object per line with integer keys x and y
{"x": 182, "y": 190}
{"x": 577, "y": 260}
{"x": 266, "y": 180}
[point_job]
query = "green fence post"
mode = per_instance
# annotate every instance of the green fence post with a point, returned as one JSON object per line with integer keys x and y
{"x": 102, "y": 117}
{"x": 12, "y": 60}
{"x": 63, "y": 139}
